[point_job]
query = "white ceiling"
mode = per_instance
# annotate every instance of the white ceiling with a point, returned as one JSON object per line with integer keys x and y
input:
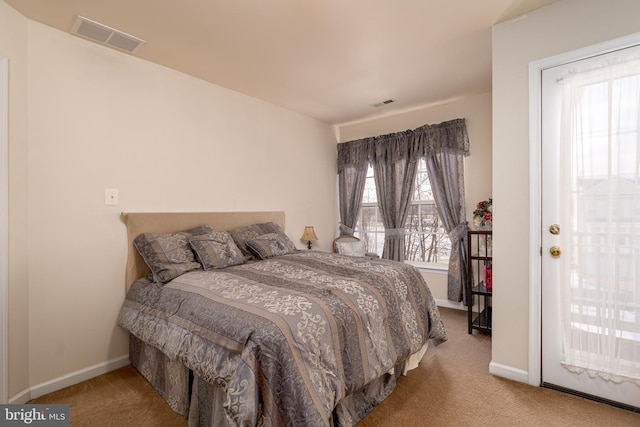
{"x": 328, "y": 59}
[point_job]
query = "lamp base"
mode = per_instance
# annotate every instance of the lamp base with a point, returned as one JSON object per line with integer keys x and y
{"x": 309, "y": 244}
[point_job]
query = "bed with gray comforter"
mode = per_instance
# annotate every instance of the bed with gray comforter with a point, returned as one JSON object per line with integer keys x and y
{"x": 304, "y": 339}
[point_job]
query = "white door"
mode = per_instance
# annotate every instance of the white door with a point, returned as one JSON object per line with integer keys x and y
{"x": 591, "y": 227}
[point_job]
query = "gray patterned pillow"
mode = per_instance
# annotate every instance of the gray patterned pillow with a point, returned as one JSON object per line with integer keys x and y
{"x": 169, "y": 255}
{"x": 270, "y": 245}
{"x": 242, "y": 235}
{"x": 272, "y": 227}
{"x": 216, "y": 250}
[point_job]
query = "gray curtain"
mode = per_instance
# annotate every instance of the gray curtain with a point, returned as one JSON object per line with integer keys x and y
{"x": 352, "y": 172}
{"x": 444, "y": 147}
{"x": 445, "y": 171}
{"x": 394, "y": 158}
{"x": 394, "y": 170}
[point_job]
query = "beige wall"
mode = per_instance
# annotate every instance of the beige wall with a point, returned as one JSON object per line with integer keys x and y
{"x": 98, "y": 118}
{"x": 13, "y": 45}
{"x": 477, "y": 112}
{"x": 557, "y": 28}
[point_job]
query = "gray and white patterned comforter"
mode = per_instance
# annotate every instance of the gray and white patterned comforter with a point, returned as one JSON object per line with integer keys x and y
{"x": 290, "y": 337}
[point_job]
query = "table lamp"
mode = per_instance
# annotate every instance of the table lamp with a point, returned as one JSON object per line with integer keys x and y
{"x": 309, "y": 235}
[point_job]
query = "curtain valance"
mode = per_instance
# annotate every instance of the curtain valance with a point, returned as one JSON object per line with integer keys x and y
{"x": 449, "y": 136}
{"x": 354, "y": 153}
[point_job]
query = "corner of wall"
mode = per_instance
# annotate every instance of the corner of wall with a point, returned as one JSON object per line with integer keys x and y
{"x": 14, "y": 46}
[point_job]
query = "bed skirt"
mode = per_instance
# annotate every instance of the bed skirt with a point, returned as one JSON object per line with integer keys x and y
{"x": 203, "y": 403}
{"x": 185, "y": 393}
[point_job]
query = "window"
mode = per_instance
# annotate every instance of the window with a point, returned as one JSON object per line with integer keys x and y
{"x": 426, "y": 240}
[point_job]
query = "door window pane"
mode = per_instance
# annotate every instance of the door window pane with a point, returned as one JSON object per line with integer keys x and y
{"x": 602, "y": 328}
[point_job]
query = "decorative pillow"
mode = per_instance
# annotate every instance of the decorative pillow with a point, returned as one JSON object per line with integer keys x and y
{"x": 169, "y": 255}
{"x": 270, "y": 245}
{"x": 354, "y": 248}
{"x": 243, "y": 234}
{"x": 278, "y": 230}
{"x": 216, "y": 250}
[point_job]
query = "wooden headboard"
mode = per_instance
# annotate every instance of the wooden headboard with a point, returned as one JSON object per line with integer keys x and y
{"x": 172, "y": 222}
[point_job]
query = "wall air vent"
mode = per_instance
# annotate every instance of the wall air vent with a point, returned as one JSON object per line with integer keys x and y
{"x": 94, "y": 31}
{"x": 383, "y": 103}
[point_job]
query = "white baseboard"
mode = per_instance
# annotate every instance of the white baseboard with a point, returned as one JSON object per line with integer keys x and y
{"x": 509, "y": 372}
{"x": 450, "y": 304}
{"x": 20, "y": 398}
{"x": 455, "y": 305}
{"x": 69, "y": 379}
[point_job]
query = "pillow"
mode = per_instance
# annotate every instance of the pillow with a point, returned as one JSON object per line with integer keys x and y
{"x": 241, "y": 235}
{"x": 353, "y": 248}
{"x": 216, "y": 250}
{"x": 270, "y": 245}
{"x": 278, "y": 230}
{"x": 169, "y": 255}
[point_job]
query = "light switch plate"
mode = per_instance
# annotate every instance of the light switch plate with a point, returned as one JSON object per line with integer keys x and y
{"x": 111, "y": 196}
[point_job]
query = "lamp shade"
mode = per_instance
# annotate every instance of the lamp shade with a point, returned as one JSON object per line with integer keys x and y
{"x": 309, "y": 234}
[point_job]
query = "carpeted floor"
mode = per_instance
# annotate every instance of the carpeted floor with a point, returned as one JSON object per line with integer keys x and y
{"x": 451, "y": 387}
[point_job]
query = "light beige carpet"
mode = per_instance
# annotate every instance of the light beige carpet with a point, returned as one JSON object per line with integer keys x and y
{"x": 451, "y": 387}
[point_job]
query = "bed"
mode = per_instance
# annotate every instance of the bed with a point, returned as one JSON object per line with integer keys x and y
{"x": 241, "y": 328}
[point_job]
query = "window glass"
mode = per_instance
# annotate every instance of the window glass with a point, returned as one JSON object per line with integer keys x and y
{"x": 426, "y": 239}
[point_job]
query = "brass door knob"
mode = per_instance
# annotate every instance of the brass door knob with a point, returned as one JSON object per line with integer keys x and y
{"x": 555, "y": 251}
{"x": 554, "y": 229}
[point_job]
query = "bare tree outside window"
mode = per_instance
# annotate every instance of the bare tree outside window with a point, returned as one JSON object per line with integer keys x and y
{"x": 426, "y": 239}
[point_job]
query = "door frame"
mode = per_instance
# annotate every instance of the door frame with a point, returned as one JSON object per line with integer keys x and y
{"x": 535, "y": 186}
{"x": 4, "y": 229}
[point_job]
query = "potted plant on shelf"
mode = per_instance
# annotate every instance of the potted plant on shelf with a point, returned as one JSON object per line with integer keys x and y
{"x": 482, "y": 215}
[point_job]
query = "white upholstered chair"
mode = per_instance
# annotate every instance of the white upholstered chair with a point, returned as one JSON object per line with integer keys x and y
{"x": 351, "y": 245}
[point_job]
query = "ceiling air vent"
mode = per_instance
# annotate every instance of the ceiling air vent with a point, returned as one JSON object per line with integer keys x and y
{"x": 104, "y": 35}
{"x": 382, "y": 103}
